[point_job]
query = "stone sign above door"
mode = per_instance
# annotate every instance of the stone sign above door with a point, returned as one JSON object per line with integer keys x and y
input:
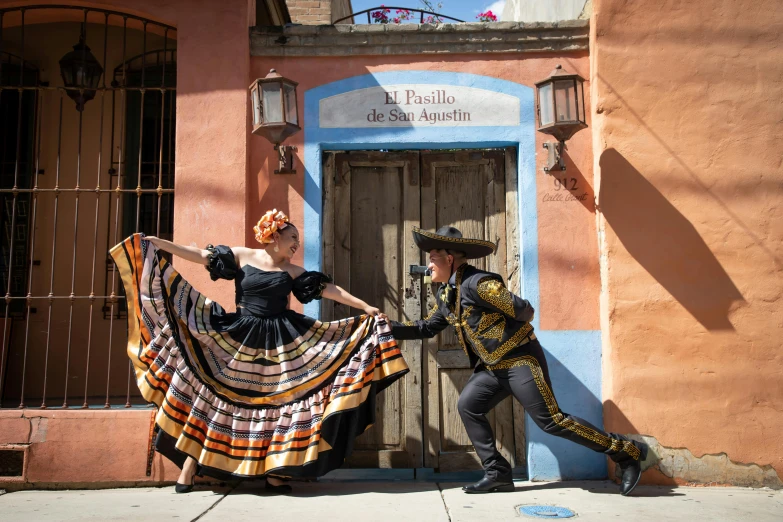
{"x": 419, "y": 105}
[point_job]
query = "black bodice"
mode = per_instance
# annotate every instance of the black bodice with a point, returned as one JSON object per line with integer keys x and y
{"x": 260, "y": 292}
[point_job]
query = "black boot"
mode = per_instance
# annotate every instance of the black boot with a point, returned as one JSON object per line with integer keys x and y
{"x": 488, "y": 485}
{"x": 632, "y": 470}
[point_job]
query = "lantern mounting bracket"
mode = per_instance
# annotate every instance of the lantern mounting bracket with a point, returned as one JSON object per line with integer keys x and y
{"x": 285, "y": 159}
{"x": 555, "y": 155}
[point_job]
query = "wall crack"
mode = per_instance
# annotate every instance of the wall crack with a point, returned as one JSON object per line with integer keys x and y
{"x": 709, "y": 469}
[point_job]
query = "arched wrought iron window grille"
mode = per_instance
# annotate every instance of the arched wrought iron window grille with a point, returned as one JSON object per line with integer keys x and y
{"x": 72, "y": 184}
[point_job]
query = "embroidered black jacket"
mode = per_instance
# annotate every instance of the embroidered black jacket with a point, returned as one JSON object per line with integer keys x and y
{"x": 492, "y": 324}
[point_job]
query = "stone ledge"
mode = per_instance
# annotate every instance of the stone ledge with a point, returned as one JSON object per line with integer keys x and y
{"x": 353, "y": 40}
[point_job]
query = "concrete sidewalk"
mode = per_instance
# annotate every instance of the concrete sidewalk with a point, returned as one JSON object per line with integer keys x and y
{"x": 397, "y": 501}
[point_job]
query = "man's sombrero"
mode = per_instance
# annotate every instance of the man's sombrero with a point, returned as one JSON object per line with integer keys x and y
{"x": 449, "y": 238}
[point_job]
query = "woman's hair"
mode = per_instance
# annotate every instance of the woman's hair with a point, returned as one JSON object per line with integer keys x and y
{"x": 271, "y": 222}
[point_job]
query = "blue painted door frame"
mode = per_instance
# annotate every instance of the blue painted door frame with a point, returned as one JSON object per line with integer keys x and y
{"x": 574, "y": 356}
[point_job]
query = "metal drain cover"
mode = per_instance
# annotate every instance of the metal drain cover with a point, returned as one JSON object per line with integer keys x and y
{"x": 545, "y": 512}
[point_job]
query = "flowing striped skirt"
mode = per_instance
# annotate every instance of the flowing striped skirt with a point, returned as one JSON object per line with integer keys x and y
{"x": 245, "y": 395}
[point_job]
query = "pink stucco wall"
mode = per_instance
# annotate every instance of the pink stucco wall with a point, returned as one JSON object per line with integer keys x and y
{"x": 84, "y": 448}
{"x": 687, "y": 140}
{"x": 568, "y": 254}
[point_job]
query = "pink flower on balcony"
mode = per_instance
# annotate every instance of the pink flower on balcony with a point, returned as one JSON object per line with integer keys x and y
{"x": 381, "y": 16}
{"x": 487, "y": 16}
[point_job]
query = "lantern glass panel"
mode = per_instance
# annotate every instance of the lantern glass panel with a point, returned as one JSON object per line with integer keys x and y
{"x": 565, "y": 96}
{"x": 67, "y": 73}
{"x": 290, "y": 104}
{"x": 580, "y": 100}
{"x": 256, "y": 107}
{"x": 545, "y": 104}
{"x": 94, "y": 76}
{"x": 81, "y": 76}
{"x": 272, "y": 97}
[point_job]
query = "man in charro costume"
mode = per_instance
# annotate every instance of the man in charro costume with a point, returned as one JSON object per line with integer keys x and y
{"x": 493, "y": 327}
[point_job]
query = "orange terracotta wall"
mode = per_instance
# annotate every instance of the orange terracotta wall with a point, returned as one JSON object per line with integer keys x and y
{"x": 568, "y": 255}
{"x": 687, "y": 141}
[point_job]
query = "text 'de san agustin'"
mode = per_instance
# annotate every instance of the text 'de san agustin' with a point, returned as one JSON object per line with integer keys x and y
{"x": 419, "y": 106}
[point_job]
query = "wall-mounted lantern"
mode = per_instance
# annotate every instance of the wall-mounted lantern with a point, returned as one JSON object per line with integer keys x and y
{"x": 561, "y": 111}
{"x": 81, "y": 73}
{"x": 275, "y": 115}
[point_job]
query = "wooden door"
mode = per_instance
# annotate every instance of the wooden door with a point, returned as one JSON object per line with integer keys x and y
{"x": 465, "y": 189}
{"x": 371, "y": 203}
{"x": 372, "y": 200}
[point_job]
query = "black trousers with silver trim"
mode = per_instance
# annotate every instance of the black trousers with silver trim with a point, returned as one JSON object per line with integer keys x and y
{"x": 527, "y": 379}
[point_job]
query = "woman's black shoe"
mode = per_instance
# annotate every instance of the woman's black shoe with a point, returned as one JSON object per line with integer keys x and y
{"x": 282, "y": 489}
{"x": 187, "y": 488}
{"x": 183, "y": 488}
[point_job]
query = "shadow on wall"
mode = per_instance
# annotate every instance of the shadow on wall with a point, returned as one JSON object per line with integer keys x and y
{"x": 554, "y": 458}
{"x": 572, "y": 185}
{"x": 665, "y": 243}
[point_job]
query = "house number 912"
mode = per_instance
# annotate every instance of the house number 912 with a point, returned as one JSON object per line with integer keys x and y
{"x": 565, "y": 183}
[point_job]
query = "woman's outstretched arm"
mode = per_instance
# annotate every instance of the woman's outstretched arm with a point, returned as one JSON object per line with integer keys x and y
{"x": 188, "y": 253}
{"x": 340, "y": 295}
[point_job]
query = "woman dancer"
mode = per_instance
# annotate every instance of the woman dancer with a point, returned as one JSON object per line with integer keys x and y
{"x": 264, "y": 391}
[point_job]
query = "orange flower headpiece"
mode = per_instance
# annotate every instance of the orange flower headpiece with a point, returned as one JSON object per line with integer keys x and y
{"x": 270, "y": 223}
